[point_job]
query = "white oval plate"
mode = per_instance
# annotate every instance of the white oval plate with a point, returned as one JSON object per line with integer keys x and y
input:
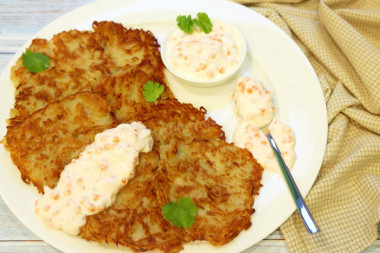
{"x": 272, "y": 57}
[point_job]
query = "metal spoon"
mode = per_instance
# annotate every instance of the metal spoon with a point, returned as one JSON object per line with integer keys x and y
{"x": 307, "y": 218}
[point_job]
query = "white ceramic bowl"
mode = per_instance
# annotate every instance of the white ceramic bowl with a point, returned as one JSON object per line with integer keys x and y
{"x": 219, "y": 79}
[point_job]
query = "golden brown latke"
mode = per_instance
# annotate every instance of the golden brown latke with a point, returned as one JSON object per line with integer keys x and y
{"x": 168, "y": 118}
{"x": 45, "y": 142}
{"x": 125, "y": 93}
{"x": 47, "y": 86}
{"x": 219, "y": 177}
{"x": 135, "y": 219}
{"x": 81, "y": 60}
{"x": 67, "y": 51}
{"x": 130, "y": 49}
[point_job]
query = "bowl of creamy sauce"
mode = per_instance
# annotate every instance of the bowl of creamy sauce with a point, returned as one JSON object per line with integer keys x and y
{"x": 201, "y": 59}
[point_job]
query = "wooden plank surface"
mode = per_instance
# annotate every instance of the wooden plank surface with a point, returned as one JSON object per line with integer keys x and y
{"x": 20, "y": 20}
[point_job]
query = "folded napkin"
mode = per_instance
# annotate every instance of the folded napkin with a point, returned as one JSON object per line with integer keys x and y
{"x": 341, "y": 39}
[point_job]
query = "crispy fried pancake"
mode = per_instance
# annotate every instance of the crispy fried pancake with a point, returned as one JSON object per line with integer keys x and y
{"x": 219, "y": 177}
{"x": 125, "y": 94}
{"x": 81, "y": 60}
{"x": 135, "y": 219}
{"x": 168, "y": 118}
{"x": 77, "y": 62}
{"x": 67, "y": 50}
{"x": 50, "y": 138}
{"x": 130, "y": 49}
{"x": 47, "y": 86}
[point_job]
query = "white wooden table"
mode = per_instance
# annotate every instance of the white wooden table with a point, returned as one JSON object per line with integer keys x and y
{"x": 19, "y": 20}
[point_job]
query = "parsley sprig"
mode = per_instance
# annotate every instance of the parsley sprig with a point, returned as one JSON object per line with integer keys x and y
{"x": 180, "y": 214}
{"x": 186, "y": 23}
{"x": 35, "y": 62}
{"x": 152, "y": 91}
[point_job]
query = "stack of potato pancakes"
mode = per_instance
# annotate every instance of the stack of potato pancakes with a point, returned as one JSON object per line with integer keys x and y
{"x": 94, "y": 82}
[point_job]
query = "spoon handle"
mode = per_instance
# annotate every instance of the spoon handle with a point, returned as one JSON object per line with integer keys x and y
{"x": 307, "y": 218}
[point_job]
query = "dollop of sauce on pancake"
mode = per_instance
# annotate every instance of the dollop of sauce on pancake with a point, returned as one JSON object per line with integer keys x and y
{"x": 89, "y": 184}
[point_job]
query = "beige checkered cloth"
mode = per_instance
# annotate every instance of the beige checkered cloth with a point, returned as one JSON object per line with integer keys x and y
{"x": 341, "y": 38}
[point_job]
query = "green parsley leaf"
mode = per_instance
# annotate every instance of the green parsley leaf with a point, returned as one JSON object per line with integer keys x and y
{"x": 186, "y": 24}
{"x": 204, "y": 22}
{"x": 180, "y": 214}
{"x": 152, "y": 91}
{"x": 35, "y": 62}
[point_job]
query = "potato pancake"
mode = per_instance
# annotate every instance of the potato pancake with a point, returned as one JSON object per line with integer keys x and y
{"x": 135, "y": 219}
{"x": 168, "y": 118}
{"x": 220, "y": 178}
{"x": 47, "y": 86}
{"x": 130, "y": 49}
{"x": 45, "y": 142}
{"x": 125, "y": 94}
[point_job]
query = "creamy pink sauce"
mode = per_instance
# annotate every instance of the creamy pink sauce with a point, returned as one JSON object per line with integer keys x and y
{"x": 203, "y": 56}
{"x": 253, "y": 102}
{"x": 89, "y": 184}
{"x": 285, "y": 140}
{"x": 248, "y": 136}
{"x": 255, "y": 109}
